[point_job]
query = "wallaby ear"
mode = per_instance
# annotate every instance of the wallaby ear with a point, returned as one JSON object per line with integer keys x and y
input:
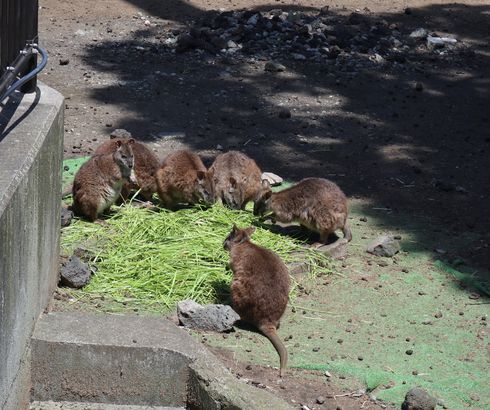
{"x": 201, "y": 175}
{"x": 250, "y": 230}
{"x": 131, "y": 141}
{"x": 266, "y": 184}
{"x": 233, "y": 182}
{"x": 235, "y": 228}
{"x": 118, "y": 144}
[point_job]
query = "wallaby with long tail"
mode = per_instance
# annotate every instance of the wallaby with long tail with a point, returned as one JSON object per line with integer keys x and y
{"x": 260, "y": 287}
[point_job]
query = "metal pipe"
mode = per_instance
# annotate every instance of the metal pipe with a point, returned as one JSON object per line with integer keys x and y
{"x": 30, "y": 75}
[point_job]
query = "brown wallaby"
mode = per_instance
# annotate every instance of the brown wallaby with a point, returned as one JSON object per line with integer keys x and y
{"x": 99, "y": 181}
{"x": 183, "y": 178}
{"x": 260, "y": 287}
{"x": 316, "y": 203}
{"x": 237, "y": 179}
{"x": 146, "y": 164}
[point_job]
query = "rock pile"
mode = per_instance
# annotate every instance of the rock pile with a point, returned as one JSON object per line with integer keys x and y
{"x": 304, "y": 36}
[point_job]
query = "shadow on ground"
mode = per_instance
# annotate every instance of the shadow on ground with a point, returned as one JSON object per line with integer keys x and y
{"x": 418, "y": 153}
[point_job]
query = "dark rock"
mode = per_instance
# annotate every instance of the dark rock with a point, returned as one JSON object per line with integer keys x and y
{"x": 75, "y": 273}
{"x": 274, "y": 67}
{"x": 355, "y": 19}
{"x": 284, "y": 113}
{"x": 418, "y": 399}
{"x": 219, "y": 318}
{"x": 384, "y": 246}
{"x": 409, "y": 352}
{"x": 334, "y": 52}
{"x": 185, "y": 42}
{"x": 64, "y": 61}
{"x": 120, "y": 133}
{"x": 66, "y": 216}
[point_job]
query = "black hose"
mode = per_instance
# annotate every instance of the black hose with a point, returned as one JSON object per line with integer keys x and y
{"x": 28, "y": 76}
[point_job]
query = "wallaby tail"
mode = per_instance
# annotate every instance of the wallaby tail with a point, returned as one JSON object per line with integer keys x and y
{"x": 347, "y": 232}
{"x": 271, "y": 334}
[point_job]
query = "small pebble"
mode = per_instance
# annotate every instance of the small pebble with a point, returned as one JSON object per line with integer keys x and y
{"x": 316, "y": 349}
{"x": 438, "y": 315}
{"x": 320, "y": 399}
{"x": 409, "y": 352}
{"x": 360, "y": 358}
{"x": 64, "y": 61}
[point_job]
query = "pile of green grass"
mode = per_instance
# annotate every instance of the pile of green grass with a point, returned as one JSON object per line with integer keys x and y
{"x": 154, "y": 258}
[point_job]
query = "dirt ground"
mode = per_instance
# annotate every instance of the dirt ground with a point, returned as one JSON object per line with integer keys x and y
{"x": 409, "y": 137}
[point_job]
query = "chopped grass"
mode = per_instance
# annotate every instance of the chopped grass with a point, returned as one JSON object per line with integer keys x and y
{"x": 154, "y": 258}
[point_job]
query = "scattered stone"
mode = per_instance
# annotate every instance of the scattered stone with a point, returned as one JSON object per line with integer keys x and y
{"x": 327, "y": 373}
{"x": 274, "y": 67}
{"x": 219, "y": 318}
{"x": 316, "y": 349}
{"x": 409, "y": 352}
{"x": 474, "y": 295}
{"x": 336, "y": 250}
{"x": 384, "y": 246}
{"x": 66, "y": 216}
{"x": 420, "y": 33}
{"x": 427, "y": 322}
{"x": 418, "y": 399}
{"x": 298, "y": 56}
{"x": 438, "y": 315}
{"x": 273, "y": 179}
{"x": 75, "y": 273}
{"x": 284, "y": 113}
{"x": 120, "y": 133}
{"x": 64, "y": 61}
{"x": 438, "y": 42}
{"x": 383, "y": 263}
{"x": 363, "y": 219}
{"x": 320, "y": 399}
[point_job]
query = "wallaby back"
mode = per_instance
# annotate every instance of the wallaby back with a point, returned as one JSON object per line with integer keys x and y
{"x": 237, "y": 179}
{"x": 316, "y": 203}
{"x": 183, "y": 178}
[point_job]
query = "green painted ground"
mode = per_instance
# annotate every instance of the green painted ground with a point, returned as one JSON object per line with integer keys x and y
{"x": 410, "y": 323}
{"x": 364, "y": 323}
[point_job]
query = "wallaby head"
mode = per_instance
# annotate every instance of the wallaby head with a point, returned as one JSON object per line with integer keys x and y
{"x": 237, "y": 236}
{"x": 262, "y": 202}
{"x": 204, "y": 187}
{"x": 124, "y": 158}
{"x": 232, "y": 196}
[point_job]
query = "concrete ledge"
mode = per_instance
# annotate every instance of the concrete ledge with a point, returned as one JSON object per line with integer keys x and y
{"x": 133, "y": 360}
{"x": 31, "y": 151}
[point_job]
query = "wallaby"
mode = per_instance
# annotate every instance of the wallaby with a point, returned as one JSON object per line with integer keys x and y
{"x": 146, "y": 164}
{"x": 260, "y": 287}
{"x": 183, "y": 178}
{"x": 237, "y": 179}
{"x": 316, "y": 203}
{"x": 99, "y": 181}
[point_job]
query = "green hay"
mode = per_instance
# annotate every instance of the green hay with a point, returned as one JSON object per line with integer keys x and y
{"x": 153, "y": 259}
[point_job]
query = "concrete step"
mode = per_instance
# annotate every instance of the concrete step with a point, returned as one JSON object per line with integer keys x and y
{"x": 81, "y": 361}
{"x": 70, "y": 405}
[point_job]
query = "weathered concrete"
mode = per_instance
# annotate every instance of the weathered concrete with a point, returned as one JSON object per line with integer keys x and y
{"x": 31, "y": 150}
{"x": 132, "y": 360}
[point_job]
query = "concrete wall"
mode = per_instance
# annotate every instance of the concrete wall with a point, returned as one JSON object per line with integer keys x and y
{"x": 31, "y": 152}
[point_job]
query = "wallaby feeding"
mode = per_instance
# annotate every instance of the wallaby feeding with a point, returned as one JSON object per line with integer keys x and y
{"x": 146, "y": 164}
{"x": 183, "y": 178}
{"x": 237, "y": 179}
{"x": 316, "y": 203}
{"x": 260, "y": 287}
{"x": 99, "y": 181}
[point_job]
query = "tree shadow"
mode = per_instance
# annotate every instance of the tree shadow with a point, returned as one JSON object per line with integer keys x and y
{"x": 416, "y": 150}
